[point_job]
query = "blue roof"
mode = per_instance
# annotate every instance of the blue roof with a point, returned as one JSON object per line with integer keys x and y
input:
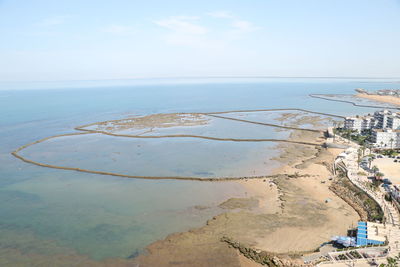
{"x": 361, "y": 241}
{"x": 362, "y": 236}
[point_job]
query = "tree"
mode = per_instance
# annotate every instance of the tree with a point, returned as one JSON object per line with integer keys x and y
{"x": 375, "y": 169}
{"x": 391, "y": 262}
{"x": 363, "y": 148}
{"x": 334, "y": 128}
{"x": 359, "y": 157}
{"x": 391, "y": 143}
{"x": 370, "y": 162}
{"x": 379, "y": 175}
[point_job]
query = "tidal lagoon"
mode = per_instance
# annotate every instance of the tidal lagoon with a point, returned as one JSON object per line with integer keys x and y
{"x": 49, "y": 212}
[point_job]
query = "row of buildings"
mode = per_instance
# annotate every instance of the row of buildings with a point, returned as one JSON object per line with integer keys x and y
{"x": 388, "y": 92}
{"x": 384, "y": 126}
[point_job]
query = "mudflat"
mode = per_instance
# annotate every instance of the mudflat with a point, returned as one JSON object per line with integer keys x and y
{"x": 162, "y": 120}
{"x": 287, "y": 215}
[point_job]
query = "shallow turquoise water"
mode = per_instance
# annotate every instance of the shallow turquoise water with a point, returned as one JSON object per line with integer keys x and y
{"x": 55, "y": 211}
{"x": 185, "y": 157}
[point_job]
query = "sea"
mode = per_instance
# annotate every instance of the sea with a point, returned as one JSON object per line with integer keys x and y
{"x": 46, "y": 211}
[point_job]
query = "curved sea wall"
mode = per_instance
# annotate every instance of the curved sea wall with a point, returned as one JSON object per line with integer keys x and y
{"x": 83, "y": 130}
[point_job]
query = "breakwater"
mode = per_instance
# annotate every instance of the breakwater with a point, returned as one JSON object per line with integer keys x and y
{"x": 84, "y": 131}
{"x": 351, "y": 102}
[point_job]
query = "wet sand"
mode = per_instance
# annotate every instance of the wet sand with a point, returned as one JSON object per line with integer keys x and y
{"x": 295, "y": 213}
{"x": 381, "y": 98}
{"x": 292, "y": 212}
{"x": 162, "y": 120}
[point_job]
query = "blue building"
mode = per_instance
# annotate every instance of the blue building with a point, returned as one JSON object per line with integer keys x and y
{"x": 370, "y": 234}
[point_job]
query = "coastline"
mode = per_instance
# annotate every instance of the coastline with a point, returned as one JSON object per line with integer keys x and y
{"x": 381, "y": 98}
{"x": 285, "y": 213}
{"x": 67, "y": 182}
{"x": 295, "y": 213}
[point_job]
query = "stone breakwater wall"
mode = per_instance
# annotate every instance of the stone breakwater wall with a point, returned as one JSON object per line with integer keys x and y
{"x": 16, "y": 154}
{"x": 217, "y": 113}
{"x": 84, "y": 131}
{"x": 351, "y": 102}
{"x": 263, "y": 257}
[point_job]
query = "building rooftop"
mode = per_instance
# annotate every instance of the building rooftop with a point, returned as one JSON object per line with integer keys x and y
{"x": 371, "y": 233}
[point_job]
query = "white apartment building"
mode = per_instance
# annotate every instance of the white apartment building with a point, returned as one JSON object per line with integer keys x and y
{"x": 385, "y": 127}
{"x": 386, "y": 138}
{"x": 381, "y": 118}
{"x": 393, "y": 122}
{"x": 359, "y": 123}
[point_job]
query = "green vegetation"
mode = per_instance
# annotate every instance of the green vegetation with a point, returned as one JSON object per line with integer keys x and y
{"x": 374, "y": 185}
{"x": 391, "y": 262}
{"x": 379, "y": 175}
{"x": 353, "y": 135}
{"x": 374, "y": 169}
{"x": 358, "y": 199}
{"x": 389, "y": 152}
{"x": 364, "y": 246}
{"x": 355, "y": 254}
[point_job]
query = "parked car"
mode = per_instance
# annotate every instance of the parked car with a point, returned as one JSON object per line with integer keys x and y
{"x": 386, "y": 187}
{"x": 386, "y": 181}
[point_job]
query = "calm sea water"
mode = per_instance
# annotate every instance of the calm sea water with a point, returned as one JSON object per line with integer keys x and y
{"x": 48, "y": 211}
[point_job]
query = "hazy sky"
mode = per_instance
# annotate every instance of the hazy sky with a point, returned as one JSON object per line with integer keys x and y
{"x": 85, "y": 39}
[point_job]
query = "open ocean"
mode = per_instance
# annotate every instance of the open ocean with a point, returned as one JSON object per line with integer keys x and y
{"x": 47, "y": 211}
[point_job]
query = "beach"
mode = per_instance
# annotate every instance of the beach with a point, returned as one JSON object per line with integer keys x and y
{"x": 294, "y": 213}
{"x": 389, "y": 168}
{"x": 381, "y": 98}
{"x": 97, "y": 220}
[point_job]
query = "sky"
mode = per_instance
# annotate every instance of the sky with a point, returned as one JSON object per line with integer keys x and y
{"x": 47, "y": 40}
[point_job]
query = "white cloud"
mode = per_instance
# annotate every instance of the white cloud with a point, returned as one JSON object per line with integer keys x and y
{"x": 182, "y": 25}
{"x": 118, "y": 29}
{"x": 186, "y": 30}
{"x": 243, "y": 26}
{"x": 221, "y": 14}
{"x": 239, "y": 26}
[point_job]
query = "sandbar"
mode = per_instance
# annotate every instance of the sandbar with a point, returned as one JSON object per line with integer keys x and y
{"x": 381, "y": 98}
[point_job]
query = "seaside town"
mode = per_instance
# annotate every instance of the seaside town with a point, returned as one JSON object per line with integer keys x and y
{"x": 382, "y": 129}
{"x": 200, "y": 133}
{"x": 381, "y": 92}
{"x": 371, "y": 163}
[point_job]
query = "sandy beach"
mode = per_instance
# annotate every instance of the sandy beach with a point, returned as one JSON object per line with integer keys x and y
{"x": 390, "y": 169}
{"x": 294, "y": 212}
{"x": 381, "y": 98}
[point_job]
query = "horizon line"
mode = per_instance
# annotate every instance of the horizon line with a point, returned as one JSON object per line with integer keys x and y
{"x": 206, "y": 77}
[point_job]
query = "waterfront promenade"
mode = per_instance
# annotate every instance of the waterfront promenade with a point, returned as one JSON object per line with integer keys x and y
{"x": 391, "y": 214}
